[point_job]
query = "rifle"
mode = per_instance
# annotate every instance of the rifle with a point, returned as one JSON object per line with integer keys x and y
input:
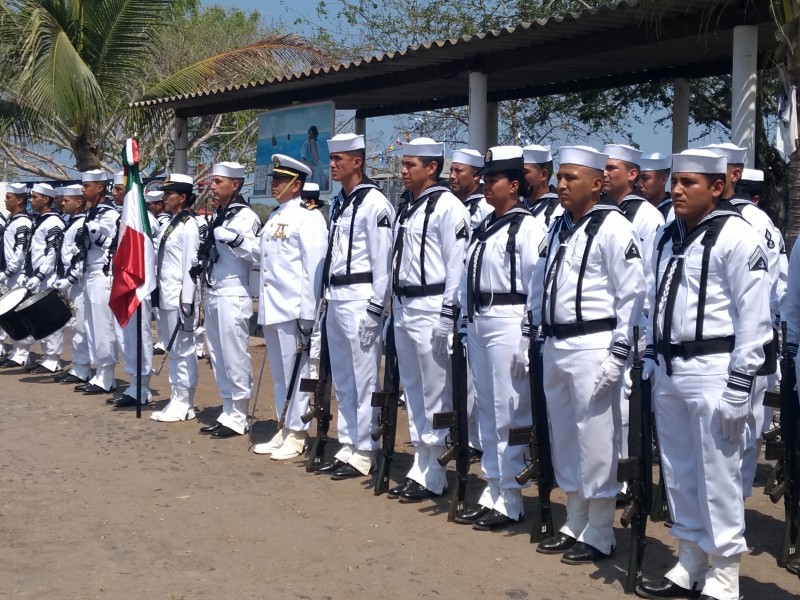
{"x": 456, "y": 420}
{"x": 320, "y": 406}
{"x": 537, "y": 438}
{"x": 785, "y": 448}
{"x": 637, "y": 469}
{"x": 206, "y": 249}
{"x": 386, "y": 400}
{"x": 659, "y": 511}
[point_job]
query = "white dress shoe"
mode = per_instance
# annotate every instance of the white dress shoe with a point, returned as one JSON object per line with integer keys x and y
{"x": 285, "y": 453}
{"x": 266, "y": 447}
{"x": 167, "y": 416}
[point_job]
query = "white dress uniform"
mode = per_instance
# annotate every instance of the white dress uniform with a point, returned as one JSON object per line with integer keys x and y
{"x": 42, "y": 259}
{"x": 358, "y": 266}
{"x": 16, "y": 239}
{"x": 587, "y": 296}
{"x": 430, "y": 240}
{"x": 70, "y": 267}
{"x": 665, "y": 208}
{"x": 177, "y": 248}
{"x": 546, "y": 209}
{"x": 710, "y": 324}
{"x": 646, "y": 220}
{"x": 478, "y": 208}
{"x": 495, "y": 307}
{"x": 228, "y": 311}
{"x": 292, "y": 254}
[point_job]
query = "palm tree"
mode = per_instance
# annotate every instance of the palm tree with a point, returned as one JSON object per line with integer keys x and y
{"x": 69, "y": 69}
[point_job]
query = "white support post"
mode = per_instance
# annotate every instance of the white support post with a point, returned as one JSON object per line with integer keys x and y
{"x": 181, "y": 146}
{"x": 744, "y": 83}
{"x": 477, "y": 111}
{"x": 680, "y": 115}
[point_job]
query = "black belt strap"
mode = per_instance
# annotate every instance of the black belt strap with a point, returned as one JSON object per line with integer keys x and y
{"x": 419, "y": 291}
{"x": 687, "y": 350}
{"x": 351, "y": 279}
{"x": 502, "y": 299}
{"x": 570, "y": 330}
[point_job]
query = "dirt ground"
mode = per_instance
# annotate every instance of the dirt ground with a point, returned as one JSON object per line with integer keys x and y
{"x": 97, "y": 504}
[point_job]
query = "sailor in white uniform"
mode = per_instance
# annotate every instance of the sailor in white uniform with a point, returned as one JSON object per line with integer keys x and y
{"x": 587, "y": 298}
{"x": 228, "y": 303}
{"x": 431, "y": 232}
{"x": 711, "y": 321}
{"x": 653, "y": 179}
{"x": 292, "y": 253}
{"x": 466, "y": 184}
{"x": 356, "y": 282}
{"x": 540, "y": 199}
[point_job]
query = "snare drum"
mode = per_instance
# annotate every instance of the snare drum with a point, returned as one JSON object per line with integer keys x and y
{"x": 45, "y": 313}
{"x": 15, "y": 326}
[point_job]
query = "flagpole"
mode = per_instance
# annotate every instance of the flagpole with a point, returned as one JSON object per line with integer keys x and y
{"x": 139, "y": 361}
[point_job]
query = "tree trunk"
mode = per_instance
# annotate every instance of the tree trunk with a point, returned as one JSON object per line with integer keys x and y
{"x": 86, "y": 153}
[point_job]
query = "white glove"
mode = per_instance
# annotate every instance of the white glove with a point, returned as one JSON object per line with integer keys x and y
{"x": 195, "y": 261}
{"x": 225, "y": 235}
{"x": 3, "y": 277}
{"x": 62, "y": 285}
{"x": 94, "y": 230}
{"x": 21, "y": 281}
{"x": 306, "y": 329}
{"x": 610, "y": 373}
{"x": 648, "y": 368}
{"x": 32, "y": 284}
{"x": 520, "y": 362}
{"x": 734, "y": 406}
{"x": 442, "y": 339}
{"x": 369, "y": 327}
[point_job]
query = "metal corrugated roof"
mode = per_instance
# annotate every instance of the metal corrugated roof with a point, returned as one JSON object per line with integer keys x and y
{"x": 622, "y": 42}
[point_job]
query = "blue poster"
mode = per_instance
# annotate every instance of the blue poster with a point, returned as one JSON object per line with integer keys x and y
{"x": 301, "y": 132}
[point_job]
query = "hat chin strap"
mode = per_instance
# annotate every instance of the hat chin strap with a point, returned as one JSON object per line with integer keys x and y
{"x": 286, "y": 187}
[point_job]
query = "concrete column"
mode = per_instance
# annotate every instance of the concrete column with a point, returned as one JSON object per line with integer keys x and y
{"x": 492, "y": 118}
{"x": 361, "y": 126}
{"x": 477, "y": 111}
{"x": 680, "y": 115}
{"x": 181, "y": 146}
{"x": 744, "y": 81}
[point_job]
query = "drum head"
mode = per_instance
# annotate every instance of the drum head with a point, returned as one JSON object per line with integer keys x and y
{"x": 45, "y": 313}
{"x": 11, "y": 299}
{"x": 16, "y": 327}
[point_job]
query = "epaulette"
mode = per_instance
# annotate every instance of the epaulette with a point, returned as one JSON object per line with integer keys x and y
{"x": 311, "y": 205}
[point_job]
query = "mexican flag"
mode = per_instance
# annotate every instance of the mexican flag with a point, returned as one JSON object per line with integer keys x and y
{"x": 134, "y": 265}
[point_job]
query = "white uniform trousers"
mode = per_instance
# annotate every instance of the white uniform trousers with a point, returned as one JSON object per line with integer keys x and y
{"x": 126, "y": 339}
{"x": 181, "y": 358}
{"x": 501, "y": 402}
{"x": 426, "y": 380}
{"x": 227, "y": 330}
{"x": 81, "y": 361}
{"x": 752, "y": 430}
{"x": 355, "y": 369}
{"x": 281, "y": 340}
{"x": 101, "y": 323}
{"x": 585, "y": 443}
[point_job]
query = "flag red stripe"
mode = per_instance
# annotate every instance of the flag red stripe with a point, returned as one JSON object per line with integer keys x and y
{"x": 128, "y": 275}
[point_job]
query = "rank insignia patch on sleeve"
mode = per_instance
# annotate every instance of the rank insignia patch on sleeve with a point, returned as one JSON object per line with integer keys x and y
{"x": 632, "y": 251}
{"x": 462, "y": 232}
{"x": 383, "y": 219}
{"x": 757, "y": 260}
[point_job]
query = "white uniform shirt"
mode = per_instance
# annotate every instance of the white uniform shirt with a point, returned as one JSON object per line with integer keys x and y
{"x": 107, "y": 218}
{"x": 665, "y": 208}
{"x": 443, "y": 249}
{"x": 16, "y": 239}
{"x": 359, "y": 246}
{"x": 736, "y": 293}
{"x": 230, "y": 273}
{"x": 177, "y": 247}
{"x": 293, "y": 244}
{"x": 546, "y": 209}
{"x": 478, "y": 209}
{"x": 70, "y": 264}
{"x": 646, "y": 222}
{"x": 48, "y": 232}
{"x": 612, "y": 286}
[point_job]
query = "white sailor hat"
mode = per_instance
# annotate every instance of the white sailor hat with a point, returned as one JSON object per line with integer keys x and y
{"x": 628, "y": 154}
{"x": 17, "y": 188}
{"x": 752, "y": 175}
{"x": 311, "y": 187}
{"x": 286, "y": 166}
{"x": 468, "y": 156}
{"x": 119, "y": 178}
{"x": 232, "y": 170}
{"x": 346, "y": 142}
{"x": 536, "y": 155}
{"x": 423, "y": 146}
{"x": 655, "y": 162}
{"x": 734, "y": 155}
{"x": 183, "y": 184}
{"x": 60, "y": 191}
{"x": 72, "y": 190}
{"x": 94, "y": 175}
{"x": 154, "y": 197}
{"x": 45, "y": 189}
{"x": 584, "y": 156}
{"x": 502, "y": 158}
{"x": 699, "y": 161}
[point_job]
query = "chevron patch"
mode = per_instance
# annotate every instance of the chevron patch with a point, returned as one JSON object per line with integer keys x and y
{"x": 632, "y": 251}
{"x": 757, "y": 260}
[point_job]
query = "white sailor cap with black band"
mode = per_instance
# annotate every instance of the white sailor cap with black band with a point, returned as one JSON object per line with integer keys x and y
{"x": 655, "y": 162}
{"x": 752, "y": 175}
{"x": 310, "y": 190}
{"x": 154, "y": 197}
{"x": 286, "y": 166}
{"x": 424, "y": 147}
{"x": 97, "y": 175}
{"x": 60, "y": 191}
{"x": 45, "y": 189}
{"x": 119, "y": 178}
{"x": 734, "y": 155}
{"x": 469, "y": 157}
{"x": 500, "y": 159}
{"x": 536, "y": 155}
{"x": 584, "y": 156}
{"x": 231, "y": 170}
{"x": 346, "y": 142}
{"x": 699, "y": 161}
{"x": 72, "y": 190}
{"x": 628, "y": 154}
{"x": 183, "y": 184}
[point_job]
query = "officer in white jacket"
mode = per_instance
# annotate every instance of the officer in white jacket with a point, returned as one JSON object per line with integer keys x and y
{"x": 228, "y": 303}
{"x": 587, "y": 298}
{"x": 431, "y": 232}
{"x": 711, "y": 320}
{"x": 356, "y": 284}
{"x": 542, "y": 203}
{"x": 178, "y": 297}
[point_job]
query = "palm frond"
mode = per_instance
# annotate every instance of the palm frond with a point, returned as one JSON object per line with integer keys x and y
{"x": 274, "y": 56}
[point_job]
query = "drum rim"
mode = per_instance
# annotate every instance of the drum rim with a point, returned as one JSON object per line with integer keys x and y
{"x": 8, "y": 294}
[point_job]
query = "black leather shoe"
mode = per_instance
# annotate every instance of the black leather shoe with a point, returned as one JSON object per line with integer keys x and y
{"x": 346, "y": 472}
{"x": 664, "y": 588}
{"x": 10, "y": 364}
{"x": 81, "y": 386}
{"x": 67, "y": 377}
{"x": 211, "y": 428}
{"x": 558, "y": 544}
{"x": 469, "y": 516}
{"x": 793, "y": 566}
{"x": 492, "y": 520}
{"x": 582, "y": 554}
{"x": 415, "y": 492}
{"x": 91, "y": 389}
{"x": 224, "y": 432}
{"x": 394, "y": 493}
{"x": 329, "y": 467}
{"x": 125, "y": 401}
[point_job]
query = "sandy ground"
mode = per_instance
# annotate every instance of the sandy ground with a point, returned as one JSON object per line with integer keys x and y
{"x": 97, "y": 504}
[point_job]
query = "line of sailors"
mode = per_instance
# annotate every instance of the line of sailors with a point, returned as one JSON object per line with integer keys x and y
{"x": 702, "y": 274}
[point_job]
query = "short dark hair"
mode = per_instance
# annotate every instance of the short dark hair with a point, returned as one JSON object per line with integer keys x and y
{"x": 714, "y": 177}
{"x": 546, "y": 166}
{"x": 426, "y": 160}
